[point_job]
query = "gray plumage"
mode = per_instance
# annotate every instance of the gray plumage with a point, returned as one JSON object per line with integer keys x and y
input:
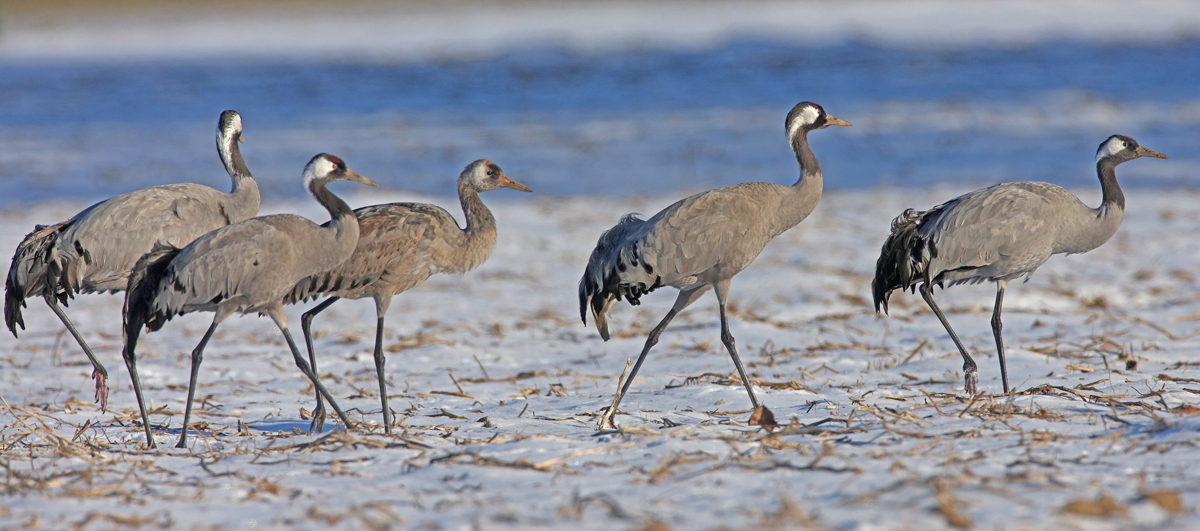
{"x": 701, "y": 242}
{"x": 399, "y": 246}
{"x": 999, "y": 234}
{"x": 95, "y": 250}
{"x": 245, "y": 267}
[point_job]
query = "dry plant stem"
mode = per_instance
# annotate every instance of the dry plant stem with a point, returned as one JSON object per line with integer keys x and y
{"x": 606, "y": 421}
{"x": 23, "y": 423}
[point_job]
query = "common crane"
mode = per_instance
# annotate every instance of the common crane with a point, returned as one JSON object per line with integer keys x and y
{"x": 399, "y": 246}
{"x": 245, "y": 267}
{"x": 999, "y": 234}
{"x": 701, "y": 242}
{"x": 95, "y": 250}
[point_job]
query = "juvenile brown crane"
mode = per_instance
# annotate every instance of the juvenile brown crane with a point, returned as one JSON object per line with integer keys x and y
{"x": 245, "y": 267}
{"x": 998, "y": 234}
{"x": 399, "y": 246}
{"x": 701, "y": 242}
{"x": 94, "y": 251}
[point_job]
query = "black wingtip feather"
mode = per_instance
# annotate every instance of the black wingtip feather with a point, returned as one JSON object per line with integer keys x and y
{"x": 144, "y": 281}
{"x": 35, "y": 270}
{"x": 899, "y": 259}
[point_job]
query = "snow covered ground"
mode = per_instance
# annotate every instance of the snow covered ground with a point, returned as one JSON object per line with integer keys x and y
{"x": 497, "y": 385}
{"x": 496, "y": 382}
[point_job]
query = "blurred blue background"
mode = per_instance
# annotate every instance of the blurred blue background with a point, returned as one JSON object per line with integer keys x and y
{"x": 637, "y": 118}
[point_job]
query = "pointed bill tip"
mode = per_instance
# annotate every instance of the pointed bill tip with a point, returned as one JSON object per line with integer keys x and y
{"x": 834, "y": 120}
{"x": 508, "y": 182}
{"x": 355, "y": 176}
{"x": 1146, "y": 152}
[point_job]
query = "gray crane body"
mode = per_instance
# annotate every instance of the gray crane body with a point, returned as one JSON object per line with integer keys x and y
{"x": 695, "y": 243}
{"x": 1008, "y": 230}
{"x": 95, "y": 250}
{"x": 213, "y": 273}
{"x": 98, "y": 247}
{"x": 998, "y": 234}
{"x": 400, "y": 246}
{"x": 699, "y": 243}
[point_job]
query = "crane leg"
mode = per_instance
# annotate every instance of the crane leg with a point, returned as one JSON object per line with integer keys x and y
{"x": 277, "y": 315}
{"x": 685, "y": 299}
{"x": 381, "y": 307}
{"x": 99, "y": 373}
{"x": 722, "y": 289}
{"x": 970, "y": 369}
{"x": 131, "y": 363}
{"x": 997, "y": 326}
{"x": 197, "y": 357}
{"x": 318, "y": 422}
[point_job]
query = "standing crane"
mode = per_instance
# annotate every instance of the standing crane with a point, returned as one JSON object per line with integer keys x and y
{"x": 998, "y": 234}
{"x": 399, "y": 246}
{"x": 95, "y": 250}
{"x": 244, "y": 267}
{"x": 701, "y": 242}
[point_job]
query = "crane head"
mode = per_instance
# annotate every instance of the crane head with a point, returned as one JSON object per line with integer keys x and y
{"x": 325, "y": 168}
{"x": 485, "y": 175}
{"x": 1120, "y": 148}
{"x": 806, "y": 116}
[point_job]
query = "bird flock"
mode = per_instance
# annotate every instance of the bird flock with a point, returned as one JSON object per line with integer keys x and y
{"x": 181, "y": 248}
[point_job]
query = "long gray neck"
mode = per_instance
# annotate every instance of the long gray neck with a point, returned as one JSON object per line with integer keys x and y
{"x": 480, "y": 233}
{"x": 1082, "y": 231}
{"x": 244, "y": 200}
{"x": 807, "y": 190}
{"x": 342, "y": 218}
{"x": 810, "y": 169}
{"x": 1113, "y": 197}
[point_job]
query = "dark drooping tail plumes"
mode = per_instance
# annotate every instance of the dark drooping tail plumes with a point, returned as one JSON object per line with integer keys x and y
{"x": 615, "y": 270}
{"x": 40, "y": 268}
{"x": 143, "y": 286}
{"x": 902, "y": 261}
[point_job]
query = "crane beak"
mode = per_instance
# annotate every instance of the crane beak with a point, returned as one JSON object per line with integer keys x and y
{"x": 834, "y": 120}
{"x": 352, "y": 175}
{"x": 241, "y": 138}
{"x": 507, "y": 182}
{"x": 1143, "y": 152}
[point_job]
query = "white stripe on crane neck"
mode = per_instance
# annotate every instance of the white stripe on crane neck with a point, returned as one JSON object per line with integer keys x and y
{"x": 229, "y": 135}
{"x": 316, "y": 169}
{"x": 1110, "y": 148}
{"x": 807, "y": 116}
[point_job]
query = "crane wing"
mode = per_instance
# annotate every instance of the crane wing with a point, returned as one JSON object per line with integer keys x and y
{"x": 224, "y": 263}
{"x": 1001, "y": 228}
{"x": 113, "y": 234}
{"x": 396, "y": 246}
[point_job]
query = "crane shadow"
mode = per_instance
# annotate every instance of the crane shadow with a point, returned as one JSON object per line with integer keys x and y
{"x": 291, "y": 425}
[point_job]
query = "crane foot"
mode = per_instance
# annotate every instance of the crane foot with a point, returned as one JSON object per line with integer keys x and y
{"x": 101, "y": 389}
{"x": 318, "y": 419}
{"x": 763, "y": 417}
{"x": 606, "y": 421}
{"x": 972, "y": 382}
